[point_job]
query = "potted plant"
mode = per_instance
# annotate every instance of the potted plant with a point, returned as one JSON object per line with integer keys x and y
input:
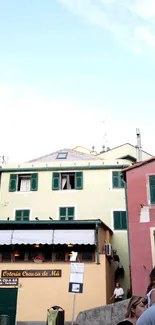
{"x": 39, "y": 259}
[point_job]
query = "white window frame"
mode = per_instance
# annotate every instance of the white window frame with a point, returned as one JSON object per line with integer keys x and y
{"x": 67, "y": 206}
{"x": 22, "y": 192}
{"x": 14, "y": 215}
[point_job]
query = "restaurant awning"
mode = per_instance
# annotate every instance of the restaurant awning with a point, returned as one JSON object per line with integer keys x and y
{"x": 79, "y": 237}
{"x": 32, "y": 237}
{"x": 49, "y": 237}
{"x": 5, "y": 237}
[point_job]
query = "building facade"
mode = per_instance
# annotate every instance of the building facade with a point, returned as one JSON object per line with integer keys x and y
{"x": 140, "y": 182}
{"x": 70, "y": 185}
{"x": 37, "y": 255}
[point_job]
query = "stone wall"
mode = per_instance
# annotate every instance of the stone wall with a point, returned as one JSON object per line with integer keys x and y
{"x": 106, "y": 315}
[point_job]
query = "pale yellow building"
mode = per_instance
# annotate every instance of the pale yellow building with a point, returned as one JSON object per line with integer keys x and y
{"x": 71, "y": 185}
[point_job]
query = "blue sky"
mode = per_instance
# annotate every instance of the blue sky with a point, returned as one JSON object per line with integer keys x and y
{"x": 68, "y": 65}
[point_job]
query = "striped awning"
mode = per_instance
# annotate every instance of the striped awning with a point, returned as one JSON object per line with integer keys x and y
{"x": 79, "y": 237}
{"x": 49, "y": 237}
{"x": 32, "y": 237}
{"x": 6, "y": 237}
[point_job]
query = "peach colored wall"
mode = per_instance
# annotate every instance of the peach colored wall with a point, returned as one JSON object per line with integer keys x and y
{"x": 36, "y": 295}
{"x": 110, "y": 283}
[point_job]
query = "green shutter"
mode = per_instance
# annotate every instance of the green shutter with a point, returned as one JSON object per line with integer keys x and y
{"x": 56, "y": 181}
{"x": 123, "y": 220}
{"x": 13, "y": 183}
{"x": 62, "y": 213}
{"x": 70, "y": 213}
{"x": 22, "y": 215}
{"x": 117, "y": 220}
{"x": 18, "y": 215}
{"x": 26, "y": 215}
{"x": 115, "y": 180}
{"x": 152, "y": 189}
{"x": 34, "y": 182}
{"x": 79, "y": 180}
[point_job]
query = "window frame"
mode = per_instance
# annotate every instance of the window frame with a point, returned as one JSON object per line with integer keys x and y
{"x": 21, "y": 209}
{"x": 149, "y": 190}
{"x": 68, "y": 206}
{"x": 119, "y": 210}
{"x": 16, "y": 180}
{"x": 57, "y": 176}
{"x": 62, "y": 153}
{"x": 116, "y": 188}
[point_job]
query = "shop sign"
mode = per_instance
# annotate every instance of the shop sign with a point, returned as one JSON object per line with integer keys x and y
{"x": 8, "y": 282}
{"x": 31, "y": 273}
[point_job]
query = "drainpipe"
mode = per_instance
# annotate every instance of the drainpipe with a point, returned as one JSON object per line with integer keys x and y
{"x": 127, "y": 218}
{"x": 97, "y": 245}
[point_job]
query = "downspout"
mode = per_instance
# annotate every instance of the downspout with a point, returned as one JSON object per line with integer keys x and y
{"x": 127, "y": 219}
{"x": 97, "y": 245}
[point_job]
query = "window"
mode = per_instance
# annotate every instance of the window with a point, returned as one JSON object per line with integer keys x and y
{"x": 22, "y": 215}
{"x": 62, "y": 155}
{"x": 67, "y": 181}
{"x": 120, "y": 220}
{"x": 117, "y": 180}
{"x": 152, "y": 189}
{"x": 67, "y": 213}
{"x": 23, "y": 182}
{"x": 60, "y": 256}
{"x": 87, "y": 256}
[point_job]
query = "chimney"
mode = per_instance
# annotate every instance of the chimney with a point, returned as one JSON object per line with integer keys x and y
{"x": 139, "y": 146}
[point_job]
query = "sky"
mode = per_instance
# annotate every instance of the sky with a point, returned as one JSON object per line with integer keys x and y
{"x": 75, "y": 72}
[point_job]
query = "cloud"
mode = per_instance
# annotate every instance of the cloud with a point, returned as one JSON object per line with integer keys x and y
{"x": 130, "y": 21}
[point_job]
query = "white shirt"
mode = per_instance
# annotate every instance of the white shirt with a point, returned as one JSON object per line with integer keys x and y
{"x": 118, "y": 292}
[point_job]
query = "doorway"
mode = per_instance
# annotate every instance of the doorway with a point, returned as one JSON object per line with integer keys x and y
{"x": 8, "y": 303}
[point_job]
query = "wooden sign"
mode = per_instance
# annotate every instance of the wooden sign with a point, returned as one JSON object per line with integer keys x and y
{"x": 31, "y": 274}
{"x": 9, "y": 282}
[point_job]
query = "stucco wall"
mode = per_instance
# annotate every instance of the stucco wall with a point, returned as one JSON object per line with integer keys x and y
{"x": 110, "y": 314}
{"x": 96, "y": 200}
{"x": 36, "y": 295}
{"x": 122, "y": 151}
{"x": 139, "y": 233}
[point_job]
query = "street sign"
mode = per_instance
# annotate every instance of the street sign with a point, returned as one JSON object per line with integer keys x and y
{"x": 76, "y": 278}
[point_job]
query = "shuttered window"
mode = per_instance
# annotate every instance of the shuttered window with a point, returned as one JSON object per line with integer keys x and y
{"x": 23, "y": 182}
{"x": 152, "y": 189}
{"x": 120, "y": 220}
{"x": 67, "y": 181}
{"x": 117, "y": 180}
{"x": 22, "y": 215}
{"x": 66, "y": 213}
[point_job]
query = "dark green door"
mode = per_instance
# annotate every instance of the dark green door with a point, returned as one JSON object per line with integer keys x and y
{"x": 8, "y": 303}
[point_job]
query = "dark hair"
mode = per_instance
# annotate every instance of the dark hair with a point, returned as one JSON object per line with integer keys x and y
{"x": 152, "y": 280}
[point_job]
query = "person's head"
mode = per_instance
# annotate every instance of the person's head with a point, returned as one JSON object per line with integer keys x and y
{"x": 117, "y": 285}
{"x": 136, "y": 307}
{"x": 152, "y": 280}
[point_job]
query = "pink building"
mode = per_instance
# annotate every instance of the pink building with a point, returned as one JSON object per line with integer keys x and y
{"x": 140, "y": 193}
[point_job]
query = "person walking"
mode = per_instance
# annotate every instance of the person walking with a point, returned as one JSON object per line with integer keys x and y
{"x": 118, "y": 293}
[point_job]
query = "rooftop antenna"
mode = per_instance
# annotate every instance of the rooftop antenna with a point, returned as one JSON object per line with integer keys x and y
{"x": 139, "y": 145}
{"x": 3, "y": 159}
